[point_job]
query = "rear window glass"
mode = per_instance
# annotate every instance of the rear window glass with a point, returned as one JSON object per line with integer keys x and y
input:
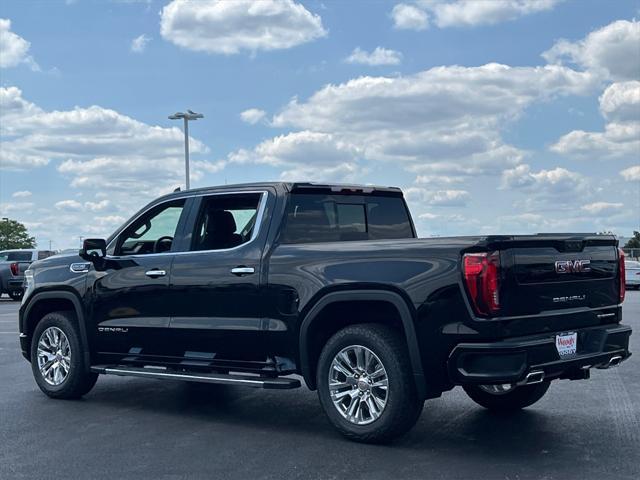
{"x": 332, "y": 218}
{"x": 15, "y": 256}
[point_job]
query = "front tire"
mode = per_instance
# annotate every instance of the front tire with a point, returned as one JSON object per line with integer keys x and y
{"x": 365, "y": 384}
{"x": 506, "y": 400}
{"x": 57, "y": 359}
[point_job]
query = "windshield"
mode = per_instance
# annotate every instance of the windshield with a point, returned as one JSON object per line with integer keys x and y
{"x": 15, "y": 256}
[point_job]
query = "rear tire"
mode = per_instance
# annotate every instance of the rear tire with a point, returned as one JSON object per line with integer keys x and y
{"x": 393, "y": 411}
{"x": 516, "y": 399}
{"x": 57, "y": 358}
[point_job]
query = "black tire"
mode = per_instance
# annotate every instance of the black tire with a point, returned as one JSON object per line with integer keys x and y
{"x": 16, "y": 295}
{"x": 79, "y": 381}
{"x": 403, "y": 406}
{"x": 516, "y": 399}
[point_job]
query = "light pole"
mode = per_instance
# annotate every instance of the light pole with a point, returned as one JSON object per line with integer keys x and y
{"x": 189, "y": 115}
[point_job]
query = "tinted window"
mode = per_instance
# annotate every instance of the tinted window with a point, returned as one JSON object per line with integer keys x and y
{"x": 226, "y": 221}
{"x": 42, "y": 254}
{"x": 331, "y": 218}
{"x": 15, "y": 256}
{"x": 153, "y": 232}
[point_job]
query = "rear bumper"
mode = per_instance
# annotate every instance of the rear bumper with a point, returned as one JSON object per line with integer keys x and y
{"x": 512, "y": 360}
{"x": 15, "y": 284}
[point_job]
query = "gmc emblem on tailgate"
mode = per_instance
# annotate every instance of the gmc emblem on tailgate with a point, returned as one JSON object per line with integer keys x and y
{"x": 573, "y": 266}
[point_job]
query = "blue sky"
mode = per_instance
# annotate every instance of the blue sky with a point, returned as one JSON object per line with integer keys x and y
{"x": 497, "y": 116}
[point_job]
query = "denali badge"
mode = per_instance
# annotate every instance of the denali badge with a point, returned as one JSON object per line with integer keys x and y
{"x": 572, "y": 298}
{"x": 113, "y": 329}
{"x": 573, "y": 266}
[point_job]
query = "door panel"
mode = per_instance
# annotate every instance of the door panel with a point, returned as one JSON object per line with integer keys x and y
{"x": 131, "y": 310}
{"x": 219, "y": 312}
{"x": 129, "y": 289}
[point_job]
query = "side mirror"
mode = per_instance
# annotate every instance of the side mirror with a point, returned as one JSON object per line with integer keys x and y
{"x": 93, "y": 248}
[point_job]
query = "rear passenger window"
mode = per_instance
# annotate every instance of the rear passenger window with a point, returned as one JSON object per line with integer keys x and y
{"x": 226, "y": 221}
{"x": 331, "y": 218}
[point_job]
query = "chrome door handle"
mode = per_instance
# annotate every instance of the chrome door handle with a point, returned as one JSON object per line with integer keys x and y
{"x": 155, "y": 273}
{"x": 243, "y": 270}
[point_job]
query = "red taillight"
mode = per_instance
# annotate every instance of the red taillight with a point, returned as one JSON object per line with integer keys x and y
{"x": 15, "y": 269}
{"x": 481, "y": 275}
{"x": 622, "y": 273}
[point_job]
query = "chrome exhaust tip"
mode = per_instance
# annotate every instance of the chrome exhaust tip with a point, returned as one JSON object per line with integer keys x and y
{"x": 536, "y": 376}
{"x": 612, "y": 362}
{"x": 615, "y": 361}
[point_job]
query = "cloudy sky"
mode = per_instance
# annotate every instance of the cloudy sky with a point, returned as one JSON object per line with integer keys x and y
{"x": 496, "y": 116}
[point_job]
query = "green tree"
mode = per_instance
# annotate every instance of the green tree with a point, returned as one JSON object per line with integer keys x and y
{"x": 634, "y": 242}
{"x": 13, "y": 234}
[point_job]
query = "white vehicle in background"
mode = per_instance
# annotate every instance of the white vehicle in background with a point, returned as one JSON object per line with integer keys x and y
{"x": 632, "y": 275}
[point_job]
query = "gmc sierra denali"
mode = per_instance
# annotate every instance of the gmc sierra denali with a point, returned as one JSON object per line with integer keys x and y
{"x": 251, "y": 284}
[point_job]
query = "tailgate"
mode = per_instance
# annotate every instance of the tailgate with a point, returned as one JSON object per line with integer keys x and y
{"x": 547, "y": 273}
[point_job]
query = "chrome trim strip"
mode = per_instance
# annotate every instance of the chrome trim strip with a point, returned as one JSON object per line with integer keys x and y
{"x": 254, "y": 234}
{"x": 606, "y": 315}
{"x": 179, "y": 376}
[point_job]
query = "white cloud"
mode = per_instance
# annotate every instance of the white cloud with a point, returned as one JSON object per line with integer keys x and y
{"x": 68, "y": 205}
{"x": 471, "y": 13}
{"x": 464, "y": 13}
{"x": 611, "y": 51}
{"x": 631, "y": 174}
{"x": 97, "y": 147}
{"x": 97, "y": 206}
{"x": 302, "y": 155}
{"x": 14, "y": 208}
{"x": 409, "y": 17}
{"x": 437, "y": 198}
{"x": 557, "y": 181}
{"x": 379, "y": 56}
{"x": 139, "y": 44}
{"x": 21, "y": 194}
{"x": 620, "y": 103}
{"x": 443, "y": 121}
{"x": 252, "y": 115}
{"x": 602, "y": 208}
{"x": 223, "y": 27}
{"x": 14, "y": 49}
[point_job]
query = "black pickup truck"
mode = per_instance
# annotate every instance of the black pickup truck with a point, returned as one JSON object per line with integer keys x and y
{"x": 261, "y": 284}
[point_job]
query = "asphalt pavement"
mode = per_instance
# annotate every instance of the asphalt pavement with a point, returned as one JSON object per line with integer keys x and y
{"x": 148, "y": 429}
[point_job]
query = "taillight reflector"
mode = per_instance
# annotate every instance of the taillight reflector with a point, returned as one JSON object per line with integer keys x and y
{"x": 15, "y": 269}
{"x": 482, "y": 278}
{"x": 622, "y": 274}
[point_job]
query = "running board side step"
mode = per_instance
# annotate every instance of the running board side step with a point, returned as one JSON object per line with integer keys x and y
{"x": 277, "y": 383}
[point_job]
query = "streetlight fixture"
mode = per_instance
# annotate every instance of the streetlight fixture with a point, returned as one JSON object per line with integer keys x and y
{"x": 189, "y": 115}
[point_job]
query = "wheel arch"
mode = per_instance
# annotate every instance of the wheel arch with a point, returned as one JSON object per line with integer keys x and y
{"x": 43, "y": 303}
{"x": 391, "y": 299}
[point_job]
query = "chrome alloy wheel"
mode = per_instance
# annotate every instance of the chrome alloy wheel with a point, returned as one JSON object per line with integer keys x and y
{"x": 54, "y": 356}
{"x": 498, "y": 389}
{"x": 358, "y": 384}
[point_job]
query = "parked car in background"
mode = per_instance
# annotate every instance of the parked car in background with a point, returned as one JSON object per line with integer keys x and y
{"x": 13, "y": 264}
{"x": 632, "y": 275}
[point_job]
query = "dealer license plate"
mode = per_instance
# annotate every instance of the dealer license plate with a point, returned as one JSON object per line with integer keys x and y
{"x": 566, "y": 344}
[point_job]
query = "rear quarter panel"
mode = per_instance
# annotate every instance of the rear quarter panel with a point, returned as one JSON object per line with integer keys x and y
{"x": 425, "y": 272}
